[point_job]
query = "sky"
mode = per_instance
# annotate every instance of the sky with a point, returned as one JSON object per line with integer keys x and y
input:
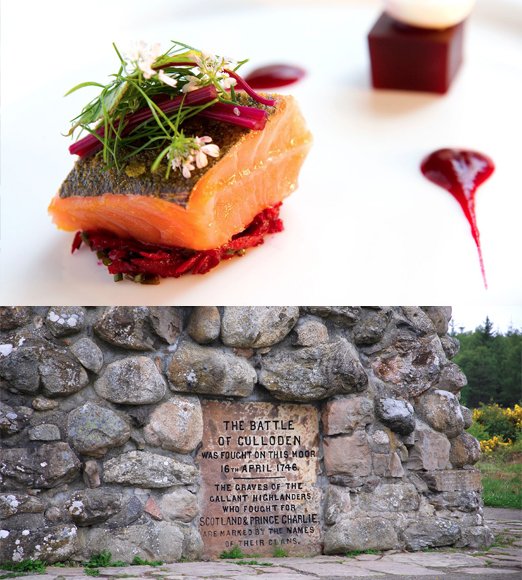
{"x": 470, "y": 316}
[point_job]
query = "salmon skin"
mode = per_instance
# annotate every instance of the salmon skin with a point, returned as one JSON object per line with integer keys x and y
{"x": 257, "y": 171}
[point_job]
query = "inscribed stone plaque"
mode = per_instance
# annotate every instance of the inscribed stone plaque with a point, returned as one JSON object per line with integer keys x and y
{"x": 259, "y": 466}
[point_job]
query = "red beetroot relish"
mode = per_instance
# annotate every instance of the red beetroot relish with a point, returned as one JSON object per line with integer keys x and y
{"x": 146, "y": 263}
{"x": 461, "y": 172}
{"x": 274, "y": 76}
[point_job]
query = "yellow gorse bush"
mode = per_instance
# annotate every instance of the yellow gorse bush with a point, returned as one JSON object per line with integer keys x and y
{"x": 487, "y": 447}
{"x": 513, "y": 416}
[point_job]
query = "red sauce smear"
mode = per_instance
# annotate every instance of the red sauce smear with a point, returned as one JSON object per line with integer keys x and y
{"x": 146, "y": 263}
{"x": 460, "y": 172}
{"x": 274, "y": 76}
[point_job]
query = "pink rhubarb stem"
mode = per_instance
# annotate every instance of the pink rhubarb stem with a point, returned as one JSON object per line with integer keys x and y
{"x": 248, "y": 117}
{"x": 249, "y": 90}
{"x": 90, "y": 144}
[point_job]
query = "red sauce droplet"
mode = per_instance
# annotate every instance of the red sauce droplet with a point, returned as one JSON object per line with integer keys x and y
{"x": 461, "y": 172}
{"x": 274, "y": 75}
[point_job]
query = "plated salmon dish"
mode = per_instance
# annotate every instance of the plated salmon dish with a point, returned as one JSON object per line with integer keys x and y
{"x": 183, "y": 165}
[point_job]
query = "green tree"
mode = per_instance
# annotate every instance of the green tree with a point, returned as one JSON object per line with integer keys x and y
{"x": 492, "y": 363}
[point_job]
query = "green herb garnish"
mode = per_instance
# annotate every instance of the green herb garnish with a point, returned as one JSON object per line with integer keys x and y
{"x": 147, "y": 101}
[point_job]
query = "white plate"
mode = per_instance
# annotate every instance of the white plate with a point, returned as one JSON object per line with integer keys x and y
{"x": 364, "y": 225}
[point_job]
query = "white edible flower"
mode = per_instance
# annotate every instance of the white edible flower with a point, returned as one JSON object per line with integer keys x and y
{"x": 202, "y": 150}
{"x": 144, "y": 57}
{"x": 212, "y": 69}
{"x": 188, "y": 167}
{"x": 228, "y": 81}
{"x": 164, "y": 78}
{"x": 193, "y": 149}
{"x": 192, "y": 85}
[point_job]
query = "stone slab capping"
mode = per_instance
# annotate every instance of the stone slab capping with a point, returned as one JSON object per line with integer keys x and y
{"x": 103, "y": 423}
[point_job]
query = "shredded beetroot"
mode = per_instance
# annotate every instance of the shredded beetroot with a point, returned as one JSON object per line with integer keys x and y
{"x": 146, "y": 263}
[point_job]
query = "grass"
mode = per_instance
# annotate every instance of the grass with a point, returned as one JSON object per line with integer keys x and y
{"x": 502, "y": 541}
{"x": 280, "y": 552}
{"x": 139, "y": 562}
{"x": 235, "y": 553}
{"x": 21, "y": 568}
{"x": 502, "y": 478}
{"x": 103, "y": 560}
{"x": 92, "y": 572}
{"x": 354, "y": 553}
{"x": 251, "y": 563}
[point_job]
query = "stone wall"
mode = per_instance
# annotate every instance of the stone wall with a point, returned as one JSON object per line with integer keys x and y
{"x": 101, "y": 422}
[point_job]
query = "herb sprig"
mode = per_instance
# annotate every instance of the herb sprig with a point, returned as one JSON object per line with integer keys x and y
{"x": 152, "y": 95}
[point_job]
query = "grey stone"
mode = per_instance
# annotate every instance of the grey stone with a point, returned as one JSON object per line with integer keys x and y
{"x": 193, "y": 546}
{"x": 91, "y": 474}
{"x": 347, "y": 455}
{"x": 176, "y": 424}
{"x": 390, "y": 498}
{"x": 43, "y": 404}
{"x": 465, "y": 450}
{"x": 451, "y": 379}
{"x": 11, "y": 420}
{"x": 371, "y": 329}
{"x": 12, "y": 504}
{"x": 451, "y": 346}
{"x": 166, "y": 322}
{"x": 475, "y": 538}
{"x": 12, "y": 317}
{"x": 453, "y": 480}
{"x": 60, "y": 375}
{"x": 344, "y": 316}
{"x": 440, "y": 316}
{"x": 257, "y": 326}
{"x": 441, "y": 411}
{"x": 204, "y": 324}
{"x": 397, "y": 414}
{"x": 65, "y": 320}
{"x": 313, "y": 373}
{"x": 126, "y": 326}
{"x": 463, "y": 501}
{"x": 410, "y": 365}
{"x": 206, "y": 370}
{"x": 141, "y": 468}
{"x": 20, "y": 368}
{"x": 53, "y": 544}
{"x": 54, "y": 514}
{"x": 430, "y": 451}
{"x": 419, "y": 319}
{"x": 360, "y": 534}
{"x": 310, "y": 332}
{"x": 387, "y": 464}
{"x": 418, "y": 482}
{"x": 431, "y": 533}
{"x": 131, "y": 510}
{"x": 337, "y": 504}
{"x": 343, "y": 414}
{"x": 89, "y": 354}
{"x": 150, "y": 541}
{"x": 47, "y": 466}
{"x": 180, "y": 505}
{"x": 94, "y": 430}
{"x": 467, "y": 415}
{"x": 44, "y": 432}
{"x": 93, "y": 506}
{"x": 356, "y": 484}
{"x": 133, "y": 381}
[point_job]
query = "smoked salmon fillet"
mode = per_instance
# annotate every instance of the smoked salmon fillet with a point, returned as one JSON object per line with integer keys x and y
{"x": 256, "y": 171}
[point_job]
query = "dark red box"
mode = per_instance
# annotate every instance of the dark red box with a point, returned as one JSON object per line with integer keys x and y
{"x": 414, "y": 59}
